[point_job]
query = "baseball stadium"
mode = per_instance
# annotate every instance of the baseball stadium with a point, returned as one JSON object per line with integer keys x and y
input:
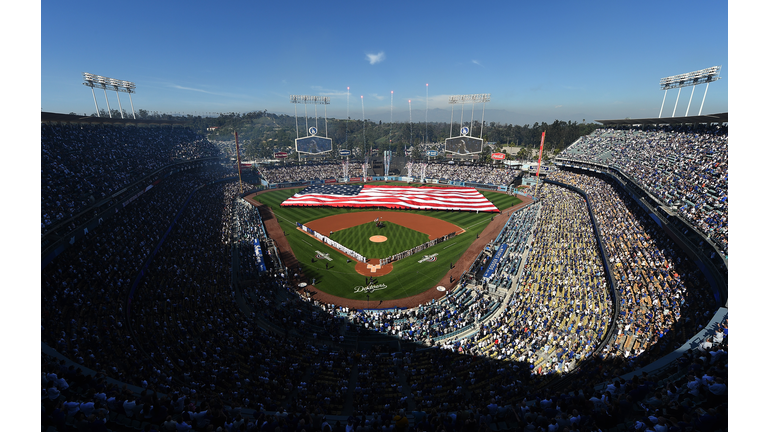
{"x": 300, "y": 296}
{"x": 270, "y": 272}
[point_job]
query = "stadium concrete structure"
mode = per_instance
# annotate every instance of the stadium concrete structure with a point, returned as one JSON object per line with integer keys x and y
{"x": 166, "y": 304}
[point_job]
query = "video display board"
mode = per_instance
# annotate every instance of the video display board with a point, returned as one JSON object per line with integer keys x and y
{"x": 463, "y": 145}
{"x": 313, "y": 144}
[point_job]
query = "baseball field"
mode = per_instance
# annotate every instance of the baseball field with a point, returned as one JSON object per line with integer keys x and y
{"x": 334, "y": 273}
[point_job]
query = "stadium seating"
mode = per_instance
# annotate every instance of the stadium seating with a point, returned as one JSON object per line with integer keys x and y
{"x": 150, "y": 300}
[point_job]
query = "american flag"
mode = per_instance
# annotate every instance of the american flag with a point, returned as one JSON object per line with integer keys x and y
{"x": 393, "y": 197}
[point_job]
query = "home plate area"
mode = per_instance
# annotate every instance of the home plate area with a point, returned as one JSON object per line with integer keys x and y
{"x": 373, "y": 268}
{"x": 433, "y": 227}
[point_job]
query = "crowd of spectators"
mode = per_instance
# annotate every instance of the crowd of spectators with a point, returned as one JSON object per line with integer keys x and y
{"x": 291, "y": 173}
{"x": 664, "y": 297}
{"x": 200, "y": 351}
{"x": 515, "y": 235}
{"x": 458, "y": 310}
{"x": 83, "y": 164}
{"x": 84, "y": 289}
{"x": 682, "y": 167}
{"x": 562, "y": 307}
{"x": 485, "y": 174}
{"x": 249, "y": 227}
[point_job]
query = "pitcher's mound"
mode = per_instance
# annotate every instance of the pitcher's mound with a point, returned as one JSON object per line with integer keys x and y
{"x": 378, "y": 239}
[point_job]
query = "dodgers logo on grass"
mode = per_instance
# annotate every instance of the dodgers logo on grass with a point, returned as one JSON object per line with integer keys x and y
{"x": 369, "y": 288}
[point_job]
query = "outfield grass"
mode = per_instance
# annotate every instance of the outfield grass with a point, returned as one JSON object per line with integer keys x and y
{"x": 399, "y": 238}
{"x": 409, "y": 277}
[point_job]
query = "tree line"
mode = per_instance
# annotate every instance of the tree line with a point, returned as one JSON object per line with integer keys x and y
{"x": 262, "y": 133}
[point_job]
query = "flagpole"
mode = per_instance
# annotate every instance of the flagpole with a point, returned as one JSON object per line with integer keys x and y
{"x": 538, "y": 167}
{"x": 410, "y": 120}
{"x": 365, "y": 165}
{"x": 391, "y": 100}
{"x": 426, "y": 130}
{"x": 239, "y": 175}
{"x": 346, "y": 121}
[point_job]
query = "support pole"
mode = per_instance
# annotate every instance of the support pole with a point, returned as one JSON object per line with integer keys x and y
{"x": 678, "y": 98}
{"x": 94, "y": 102}
{"x": 705, "y": 96}
{"x": 296, "y": 116}
{"x": 472, "y": 118}
{"x": 689, "y": 101}
{"x": 451, "y": 134}
{"x": 119, "y": 104}
{"x": 410, "y": 120}
{"x": 132, "y": 111}
{"x": 426, "y": 122}
{"x": 109, "y": 110}
{"x": 391, "y": 102}
{"x": 346, "y": 121}
{"x": 239, "y": 173}
{"x": 482, "y": 122}
{"x": 662, "y": 103}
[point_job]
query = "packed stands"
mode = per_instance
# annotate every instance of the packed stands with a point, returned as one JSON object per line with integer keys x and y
{"x": 683, "y": 167}
{"x": 154, "y": 300}
{"x": 657, "y": 286}
{"x": 562, "y": 306}
{"x": 83, "y": 164}
{"x": 476, "y": 173}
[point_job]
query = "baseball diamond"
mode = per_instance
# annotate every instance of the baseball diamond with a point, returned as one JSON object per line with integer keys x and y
{"x": 431, "y": 226}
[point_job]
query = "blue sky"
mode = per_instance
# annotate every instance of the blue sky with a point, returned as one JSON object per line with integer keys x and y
{"x": 539, "y": 62}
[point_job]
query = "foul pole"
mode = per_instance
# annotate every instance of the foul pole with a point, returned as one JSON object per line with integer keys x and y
{"x": 239, "y": 174}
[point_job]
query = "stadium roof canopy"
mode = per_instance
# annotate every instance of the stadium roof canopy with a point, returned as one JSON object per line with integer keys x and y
{"x": 710, "y": 118}
{"x": 69, "y": 118}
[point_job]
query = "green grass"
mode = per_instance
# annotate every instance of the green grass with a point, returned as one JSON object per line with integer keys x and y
{"x": 399, "y": 238}
{"x": 409, "y": 277}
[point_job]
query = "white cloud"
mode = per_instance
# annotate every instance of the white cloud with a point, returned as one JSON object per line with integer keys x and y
{"x": 321, "y": 91}
{"x": 376, "y": 58}
{"x": 477, "y": 63}
{"x": 176, "y": 86}
{"x": 558, "y": 106}
{"x": 190, "y": 88}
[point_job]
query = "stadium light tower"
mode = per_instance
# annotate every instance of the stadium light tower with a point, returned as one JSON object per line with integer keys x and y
{"x": 316, "y": 100}
{"x": 473, "y": 98}
{"x": 694, "y": 78}
{"x": 305, "y": 99}
{"x": 118, "y": 86}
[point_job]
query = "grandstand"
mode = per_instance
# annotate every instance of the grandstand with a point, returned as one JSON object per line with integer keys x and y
{"x": 167, "y": 302}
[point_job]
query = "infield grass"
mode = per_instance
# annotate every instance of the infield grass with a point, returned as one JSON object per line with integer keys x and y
{"x": 399, "y": 238}
{"x": 408, "y": 277}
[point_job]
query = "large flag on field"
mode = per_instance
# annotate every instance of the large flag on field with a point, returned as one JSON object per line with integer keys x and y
{"x": 393, "y": 197}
